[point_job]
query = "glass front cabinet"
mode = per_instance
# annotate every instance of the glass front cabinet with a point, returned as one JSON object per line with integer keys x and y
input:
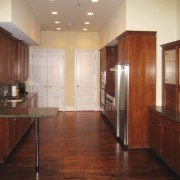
{"x": 171, "y": 75}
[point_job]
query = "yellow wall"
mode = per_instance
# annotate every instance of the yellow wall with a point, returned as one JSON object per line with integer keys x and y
{"x": 114, "y": 26}
{"x": 18, "y": 19}
{"x": 5, "y": 10}
{"x": 178, "y": 20}
{"x": 23, "y": 18}
{"x": 69, "y": 41}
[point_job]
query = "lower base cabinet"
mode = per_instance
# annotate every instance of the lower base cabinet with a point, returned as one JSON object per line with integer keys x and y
{"x": 164, "y": 138}
{"x": 12, "y": 130}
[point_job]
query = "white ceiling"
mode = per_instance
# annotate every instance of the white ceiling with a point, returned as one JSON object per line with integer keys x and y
{"x": 74, "y": 12}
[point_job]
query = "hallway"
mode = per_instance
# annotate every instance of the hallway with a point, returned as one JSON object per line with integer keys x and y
{"x": 81, "y": 145}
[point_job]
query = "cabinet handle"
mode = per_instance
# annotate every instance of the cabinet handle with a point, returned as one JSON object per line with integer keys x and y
{"x": 45, "y": 86}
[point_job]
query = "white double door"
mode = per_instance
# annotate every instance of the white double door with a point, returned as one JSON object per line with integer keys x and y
{"x": 47, "y": 77}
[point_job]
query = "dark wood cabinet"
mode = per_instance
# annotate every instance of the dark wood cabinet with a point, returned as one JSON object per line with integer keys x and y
{"x": 138, "y": 50}
{"x": 155, "y": 126}
{"x": 13, "y": 129}
{"x": 111, "y": 113}
{"x": 23, "y": 60}
{"x": 164, "y": 137}
{"x": 108, "y": 59}
{"x": 171, "y": 75}
{"x": 14, "y": 59}
{"x": 123, "y": 51}
{"x": 5, "y": 66}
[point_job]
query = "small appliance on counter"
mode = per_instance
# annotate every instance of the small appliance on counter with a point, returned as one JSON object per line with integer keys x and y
{"x": 13, "y": 91}
{"x": 22, "y": 88}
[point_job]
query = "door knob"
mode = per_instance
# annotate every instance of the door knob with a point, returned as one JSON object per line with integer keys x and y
{"x": 77, "y": 85}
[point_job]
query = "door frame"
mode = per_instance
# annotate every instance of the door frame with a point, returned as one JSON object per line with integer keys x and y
{"x": 95, "y": 108}
{"x": 63, "y": 70}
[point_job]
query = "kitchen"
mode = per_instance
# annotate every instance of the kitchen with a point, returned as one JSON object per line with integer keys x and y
{"x": 112, "y": 29}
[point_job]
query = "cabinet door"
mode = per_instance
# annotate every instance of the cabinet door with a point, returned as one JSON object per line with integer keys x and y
{"x": 23, "y": 59}
{"x": 123, "y": 51}
{"x": 170, "y": 66}
{"x": 4, "y": 58}
{"x": 155, "y": 131}
{"x": 110, "y": 63}
{"x": 3, "y": 139}
{"x": 11, "y": 134}
{"x": 103, "y": 60}
{"x": 14, "y": 59}
{"x": 171, "y": 146}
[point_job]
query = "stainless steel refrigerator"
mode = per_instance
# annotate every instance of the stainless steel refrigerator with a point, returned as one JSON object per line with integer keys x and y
{"x": 121, "y": 102}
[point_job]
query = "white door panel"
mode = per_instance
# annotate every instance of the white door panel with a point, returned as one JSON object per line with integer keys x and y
{"x": 47, "y": 77}
{"x": 85, "y": 81}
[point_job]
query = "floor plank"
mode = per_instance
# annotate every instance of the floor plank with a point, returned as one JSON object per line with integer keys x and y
{"x": 81, "y": 145}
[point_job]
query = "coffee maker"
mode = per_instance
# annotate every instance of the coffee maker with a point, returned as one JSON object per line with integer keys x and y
{"x": 22, "y": 88}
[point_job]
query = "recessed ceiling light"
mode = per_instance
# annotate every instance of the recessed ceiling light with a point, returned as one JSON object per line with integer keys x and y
{"x": 54, "y": 12}
{"x": 94, "y": 0}
{"x": 84, "y": 29}
{"x": 51, "y": 0}
{"x": 56, "y": 22}
{"x": 90, "y": 13}
{"x": 58, "y": 29}
{"x": 87, "y": 23}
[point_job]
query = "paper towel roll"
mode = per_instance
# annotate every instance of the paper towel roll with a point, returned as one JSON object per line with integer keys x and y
{"x": 13, "y": 92}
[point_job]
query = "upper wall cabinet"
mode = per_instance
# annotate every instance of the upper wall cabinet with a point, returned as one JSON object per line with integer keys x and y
{"x": 23, "y": 60}
{"x": 122, "y": 51}
{"x": 14, "y": 59}
{"x": 5, "y": 67}
{"x": 108, "y": 59}
{"x": 171, "y": 75}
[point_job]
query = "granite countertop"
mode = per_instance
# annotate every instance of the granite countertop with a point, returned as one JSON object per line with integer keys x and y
{"x": 15, "y": 110}
{"x": 5, "y": 103}
{"x": 28, "y": 112}
{"x": 167, "y": 113}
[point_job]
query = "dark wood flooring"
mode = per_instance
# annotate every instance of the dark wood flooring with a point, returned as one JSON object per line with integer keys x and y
{"x": 81, "y": 146}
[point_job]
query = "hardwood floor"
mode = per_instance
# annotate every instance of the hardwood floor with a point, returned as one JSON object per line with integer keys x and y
{"x": 81, "y": 145}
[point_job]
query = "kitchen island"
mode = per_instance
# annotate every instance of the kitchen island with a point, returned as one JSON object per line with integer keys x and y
{"x": 23, "y": 112}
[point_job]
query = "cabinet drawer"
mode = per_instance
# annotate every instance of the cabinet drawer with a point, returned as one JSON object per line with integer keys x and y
{"x": 171, "y": 124}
